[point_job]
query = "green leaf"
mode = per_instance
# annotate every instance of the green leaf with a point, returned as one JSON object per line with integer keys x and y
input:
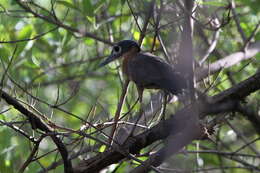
{"x": 102, "y": 148}
{"x": 98, "y": 6}
{"x": 88, "y": 8}
{"x": 92, "y": 20}
{"x": 35, "y": 61}
{"x": 68, "y": 4}
{"x": 66, "y": 39}
{"x": 4, "y": 54}
{"x": 24, "y": 33}
{"x": 212, "y": 3}
{"x": 89, "y": 41}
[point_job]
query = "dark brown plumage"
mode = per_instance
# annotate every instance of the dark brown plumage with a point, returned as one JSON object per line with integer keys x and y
{"x": 146, "y": 70}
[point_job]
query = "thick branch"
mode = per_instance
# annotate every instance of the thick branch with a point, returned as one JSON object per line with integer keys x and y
{"x": 174, "y": 125}
{"x": 37, "y": 123}
{"x": 240, "y": 90}
{"x": 228, "y": 61}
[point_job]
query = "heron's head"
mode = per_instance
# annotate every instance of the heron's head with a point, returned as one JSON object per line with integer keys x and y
{"x": 120, "y": 49}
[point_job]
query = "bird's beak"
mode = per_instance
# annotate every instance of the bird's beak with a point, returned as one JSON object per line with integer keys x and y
{"x": 108, "y": 60}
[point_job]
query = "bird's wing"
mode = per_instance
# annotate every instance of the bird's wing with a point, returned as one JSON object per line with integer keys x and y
{"x": 149, "y": 71}
{"x": 145, "y": 68}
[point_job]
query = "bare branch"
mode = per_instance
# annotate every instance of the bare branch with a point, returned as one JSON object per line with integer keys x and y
{"x": 175, "y": 125}
{"x": 60, "y": 24}
{"x": 37, "y": 123}
{"x": 228, "y": 61}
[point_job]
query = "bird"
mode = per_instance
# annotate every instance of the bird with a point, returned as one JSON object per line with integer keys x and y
{"x": 146, "y": 70}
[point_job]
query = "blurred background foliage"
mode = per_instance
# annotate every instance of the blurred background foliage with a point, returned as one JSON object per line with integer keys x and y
{"x": 55, "y": 72}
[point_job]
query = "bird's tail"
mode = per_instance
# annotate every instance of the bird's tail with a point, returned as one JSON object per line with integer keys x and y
{"x": 178, "y": 84}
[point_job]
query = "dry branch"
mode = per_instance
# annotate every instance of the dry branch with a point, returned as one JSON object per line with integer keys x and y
{"x": 175, "y": 125}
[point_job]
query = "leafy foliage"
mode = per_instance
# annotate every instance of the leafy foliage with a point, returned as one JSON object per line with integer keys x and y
{"x": 53, "y": 72}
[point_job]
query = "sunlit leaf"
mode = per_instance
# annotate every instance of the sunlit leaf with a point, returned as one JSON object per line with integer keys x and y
{"x": 212, "y": 3}
{"x": 35, "y": 61}
{"x": 102, "y": 148}
{"x": 24, "y": 33}
{"x": 67, "y": 4}
{"x": 66, "y": 39}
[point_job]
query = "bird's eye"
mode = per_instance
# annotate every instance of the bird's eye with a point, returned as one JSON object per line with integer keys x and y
{"x": 117, "y": 49}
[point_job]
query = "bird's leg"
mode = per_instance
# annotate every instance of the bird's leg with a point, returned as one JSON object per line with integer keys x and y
{"x": 140, "y": 96}
{"x": 118, "y": 111}
{"x": 165, "y": 100}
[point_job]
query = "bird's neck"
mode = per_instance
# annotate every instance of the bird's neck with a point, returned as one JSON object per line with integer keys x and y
{"x": 130, "y": 55}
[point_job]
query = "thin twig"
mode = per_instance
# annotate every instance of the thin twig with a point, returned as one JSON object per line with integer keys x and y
{"x": 118, "y": 110}
{"x": 29, "y": 39}
{"x": 60, "y": 24}
{"x": 32, "y": 155}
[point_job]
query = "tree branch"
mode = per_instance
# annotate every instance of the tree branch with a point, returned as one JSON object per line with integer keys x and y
{"x": 228, "y": 61}
{"x": 37, "y": 123}
{"x": 60, "y": 24}
{"x": 175, "y": 125}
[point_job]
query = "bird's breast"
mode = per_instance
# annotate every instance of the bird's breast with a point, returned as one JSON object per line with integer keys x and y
{"x": 125, "y": 66}
{"x": 126, "y": 69}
